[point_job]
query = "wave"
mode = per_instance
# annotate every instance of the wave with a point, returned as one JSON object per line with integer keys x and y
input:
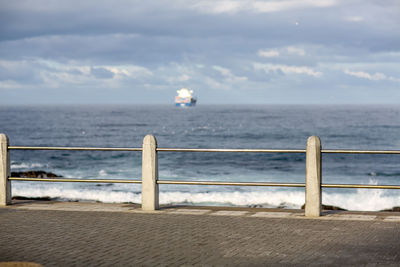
{"x": 103, "y": 173}
{"x": 78, "y": 195}
{"x": 24, "y": 165}
{"x": 358, "y": 200}
{"x": 385, "y": 174}
{"x": 363, "y": 200}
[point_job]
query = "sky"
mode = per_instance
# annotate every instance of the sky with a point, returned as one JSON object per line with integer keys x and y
{"x": 227, "y": 52}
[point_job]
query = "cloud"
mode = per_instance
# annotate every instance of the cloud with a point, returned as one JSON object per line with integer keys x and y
{"x": 287, "y": 69}
{"x": 217, "y": 7}
{"x": 276, "y": 6}
{"x": 234, "y": 6}
{"x": 129, "y": 45}
{"x": 43, "y": 73}
{"x": 227, "y": 73}
{"x": 377, "y": 76}
{"x": 365, "y": 75}
{"x": 102, "y": 73}
{"x": 131, "y": 71}
{"x": 290, "y": 50}
{"x": 295, "y": 50}
{"x": 10, "y": 84}
{"x": 355, "y": 18}
{"x": 178, "y": 79}
{"x": 268, "y": 53}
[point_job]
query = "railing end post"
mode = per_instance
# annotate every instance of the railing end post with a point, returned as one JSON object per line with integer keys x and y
{"x": 313, "y": 204}
{"x": 5, "y": 184}
{"x": 149, "y": 174}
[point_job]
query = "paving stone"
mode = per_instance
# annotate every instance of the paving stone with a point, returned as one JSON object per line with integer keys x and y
{"x": 392, "y": 218}
{"x": 190, "y": 211}
{"x": 357, "y": 217}
{"x": 272, "y": 214}
{"x": 229, "y": 213}
{"x": 169, "y": 238}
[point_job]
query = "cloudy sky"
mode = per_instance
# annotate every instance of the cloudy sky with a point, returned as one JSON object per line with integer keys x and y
{"x": 262, "y": 52}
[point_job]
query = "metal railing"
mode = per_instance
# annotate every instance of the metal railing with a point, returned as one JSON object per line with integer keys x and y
{"x": 150, "y": 167}
{"x": 75, "y": 179}
{"x": 208, "y": 150}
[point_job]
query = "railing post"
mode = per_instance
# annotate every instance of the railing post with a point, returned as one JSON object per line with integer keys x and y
{"x": 5, "y": 184}
{"x": 313, "y": 177}
{"x": 149, "y": 174}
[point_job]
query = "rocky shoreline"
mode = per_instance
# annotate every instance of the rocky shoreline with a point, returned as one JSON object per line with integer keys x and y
{"x": 35, "y": 174}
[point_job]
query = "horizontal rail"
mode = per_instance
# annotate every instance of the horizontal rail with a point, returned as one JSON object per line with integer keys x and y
{"x": 231, "y": 183}
{"x": 74, "y": 148}
{"x": 365, "y": 186}
{"x": 277, "y": 184}
{"x": 75, "y": 180}
{"x": 347, "y": 151}
{"x": 244, "y": 150}
{"x": 237, "y": 150}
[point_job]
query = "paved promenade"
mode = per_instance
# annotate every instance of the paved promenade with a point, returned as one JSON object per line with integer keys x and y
{"x": 92, "y": 234}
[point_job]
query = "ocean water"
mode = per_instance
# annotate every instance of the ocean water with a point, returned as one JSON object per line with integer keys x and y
{"x": 210, "y": 126}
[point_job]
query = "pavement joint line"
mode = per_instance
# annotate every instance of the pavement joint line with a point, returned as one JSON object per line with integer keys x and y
{"x": 113, "y": 207}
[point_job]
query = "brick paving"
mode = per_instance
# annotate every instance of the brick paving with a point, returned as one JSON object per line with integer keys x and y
{"x": 71, "y": 234}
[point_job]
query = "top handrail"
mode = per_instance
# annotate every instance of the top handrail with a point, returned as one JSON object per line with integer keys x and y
{"x": 350, "y": 151}
{"x": 74, "y": 148}
{"x": 245, "y": 150}
{"x": 240, "y": 150}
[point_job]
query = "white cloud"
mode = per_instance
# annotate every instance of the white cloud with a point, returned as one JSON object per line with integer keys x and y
{"x": 234, "y": 6}
{"x": 128, "y": 70}
{"x": 217, "y": 7}
{"x": 355, "y": 19}
{"x": 212, "y": 83}
{"x": 268, "y": 53}
{"x": 228, "y": 74}
{"x": 365, "y": 75}
{"x": 291, "y": 50}
{"x": 10, "y": 84}
{"x": 53, "y": 74}
{"x": 275, "y": 6}
{"x": 180, "y": 78}
{"x": 393, "y": 79}
{"x": 287, "y": 69}
{"x": 223, "y": 71}
{"x": 295, "y": 50}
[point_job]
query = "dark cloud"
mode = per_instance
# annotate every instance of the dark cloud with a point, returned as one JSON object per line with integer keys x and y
{"x": 161, "y": 45}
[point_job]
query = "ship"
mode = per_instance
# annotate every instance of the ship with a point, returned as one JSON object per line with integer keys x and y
{"x": 185, "y": 98}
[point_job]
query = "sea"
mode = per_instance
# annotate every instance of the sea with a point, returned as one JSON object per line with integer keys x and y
{"x": 364, "y": 127}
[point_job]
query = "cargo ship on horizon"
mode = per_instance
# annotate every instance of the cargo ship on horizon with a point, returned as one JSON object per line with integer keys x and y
{"x": 185, "y": 98}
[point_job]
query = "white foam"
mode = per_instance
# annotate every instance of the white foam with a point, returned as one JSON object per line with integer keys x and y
{"x": 23, "y": 165}
{"x": 102, "y": 173}
{"x": 74, "y": 194}
{"x": 361, "y": 200}
{"x": 267, "y": 199}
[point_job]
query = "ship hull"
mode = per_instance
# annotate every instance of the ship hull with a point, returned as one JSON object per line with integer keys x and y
{"x": 185, "y": 102}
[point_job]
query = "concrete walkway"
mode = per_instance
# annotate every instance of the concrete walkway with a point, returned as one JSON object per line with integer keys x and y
{"x": 93, "y": 234}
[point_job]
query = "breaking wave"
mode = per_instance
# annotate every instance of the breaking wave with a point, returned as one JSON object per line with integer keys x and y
{"x": 358, "y": 200}
{"x": 24, "y": 165}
